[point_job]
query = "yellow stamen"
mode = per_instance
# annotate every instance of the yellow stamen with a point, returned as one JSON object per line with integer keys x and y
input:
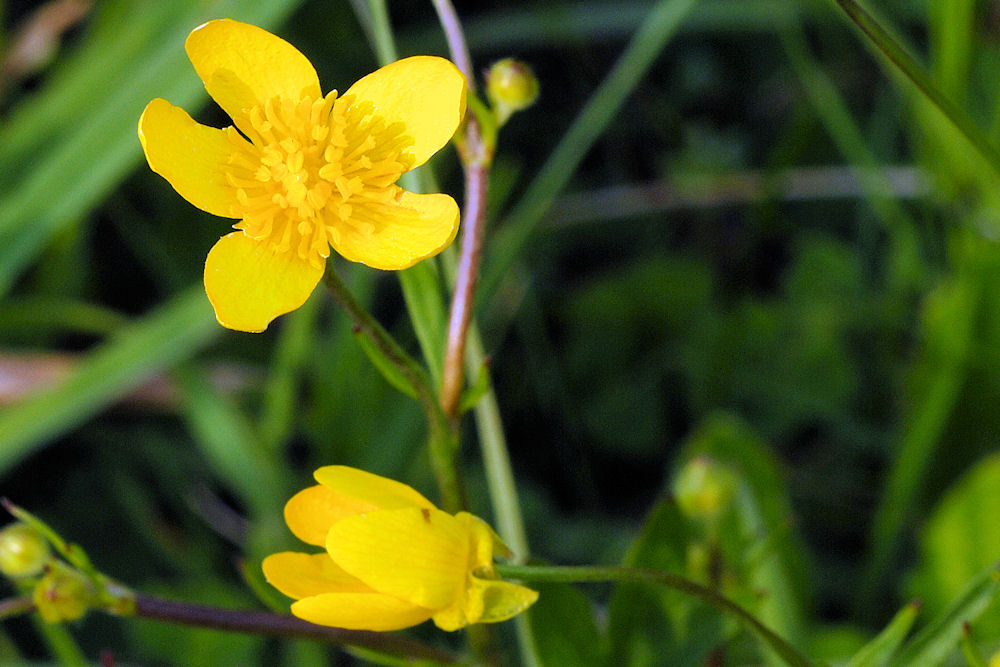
{"x": 302, "y": 155}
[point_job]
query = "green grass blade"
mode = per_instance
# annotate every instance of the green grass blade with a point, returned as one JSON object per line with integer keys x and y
{"x": 174, "y": 332}
{"x": 936, "y": 641}
{"x": 879, "y": 651}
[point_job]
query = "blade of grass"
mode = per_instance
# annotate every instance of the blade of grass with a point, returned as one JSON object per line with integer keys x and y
{"x": 231, "y": 444}
{"x": 908, "y": 66}
{"x": 175, "y": 331}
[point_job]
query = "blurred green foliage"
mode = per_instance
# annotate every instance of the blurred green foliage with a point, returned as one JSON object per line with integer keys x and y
{"x": 760, "y": 246}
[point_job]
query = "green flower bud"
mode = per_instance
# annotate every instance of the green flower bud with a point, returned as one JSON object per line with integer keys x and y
{"x": 63, "y": 594}
{"x": 704, "y": 489}
{"x": 23, "y": 551}
{"x": 511, "y": 87}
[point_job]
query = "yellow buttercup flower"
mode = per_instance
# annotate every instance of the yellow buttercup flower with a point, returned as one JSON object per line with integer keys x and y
{"x": 392, "y": 559}
{"x": 303, "y": 171}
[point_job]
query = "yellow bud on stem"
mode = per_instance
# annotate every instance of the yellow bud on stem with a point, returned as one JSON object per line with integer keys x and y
{"x": 23, "y": 551}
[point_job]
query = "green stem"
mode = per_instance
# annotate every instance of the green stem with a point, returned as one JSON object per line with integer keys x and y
{"x": 896, "y": 54}
{"x": 385, "y": 45}
{"x": 441, "y": 439}
{"x": 562, "y": 574}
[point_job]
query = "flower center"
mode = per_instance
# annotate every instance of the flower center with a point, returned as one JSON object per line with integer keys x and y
{"x": 315, "y": 171}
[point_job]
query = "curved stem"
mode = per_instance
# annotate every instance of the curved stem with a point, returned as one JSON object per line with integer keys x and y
{"x": 266, "y": 623}
{"x": 691, "y": 588}
{"x": 441, "y": 439}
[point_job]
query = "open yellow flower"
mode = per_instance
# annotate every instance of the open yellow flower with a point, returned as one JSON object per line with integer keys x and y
{"x": 303, "y": 171}
{"x": 392, "y": 559}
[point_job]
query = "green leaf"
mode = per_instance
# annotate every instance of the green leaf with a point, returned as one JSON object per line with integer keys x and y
{"x": 422, "y": 292}
{"x": 880, "y": 650}
{"x": 563, "y": 626}
{"x": 960, "y": 539}
{"x": 389, "y": 371}
{"x": 477, "y": 389}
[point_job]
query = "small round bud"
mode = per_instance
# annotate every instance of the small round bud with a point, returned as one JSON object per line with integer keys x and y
{"x": 63, "y": 594}
{"x": 23, "y": 551}
{"x": 511, "y": 87}
{"x": 704, "y": 489}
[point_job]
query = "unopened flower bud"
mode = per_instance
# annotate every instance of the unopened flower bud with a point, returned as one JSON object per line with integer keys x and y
{"x": 23, "y": 551}
{"x": 511, "y": 87}
{"x": 704, "y": 489}
{"x": 63, "y": 594}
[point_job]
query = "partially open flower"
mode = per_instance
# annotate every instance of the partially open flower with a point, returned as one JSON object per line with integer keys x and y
{"x": 303, "y": 171}
{"x": 392, "y": 559}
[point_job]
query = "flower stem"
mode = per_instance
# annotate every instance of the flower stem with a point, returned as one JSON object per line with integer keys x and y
{"x": 476, "y": 158}
{"x": 442, "y": 440}
{"x": 691, "y": 588}
{"x": 476, "y": 153}
{"x": 266, "y": 623}
{"x": 476, "y": 181}
{"x": 892, "y": 50}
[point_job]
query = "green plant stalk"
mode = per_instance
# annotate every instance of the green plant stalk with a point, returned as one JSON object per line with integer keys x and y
{"x": 441, "y": 439}
{"x": 583, "y": 574}
{"x": 912, "y": 70}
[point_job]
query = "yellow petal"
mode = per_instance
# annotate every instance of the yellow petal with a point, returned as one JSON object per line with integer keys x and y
{"x": 192, "y": 157}
{"x": 414, "y": 228}
{"x": 425, "y": 93}
{"x": 486, "y": 601}
{"x": 416, "y": 554}
{"x": 373, "y": 490}
{"x": 360, "y": 611}
{"x": 300, "y": 575}
{"x": 244, "y": 66}
{"x": 249, "y": 284}
{"x": 310, "y": 512}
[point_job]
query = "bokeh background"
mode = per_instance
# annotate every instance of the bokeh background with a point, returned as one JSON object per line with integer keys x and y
{"x": 771, "y": 250}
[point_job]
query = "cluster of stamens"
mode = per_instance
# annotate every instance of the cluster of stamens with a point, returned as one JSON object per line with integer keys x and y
{"x": 314, "y": 171}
